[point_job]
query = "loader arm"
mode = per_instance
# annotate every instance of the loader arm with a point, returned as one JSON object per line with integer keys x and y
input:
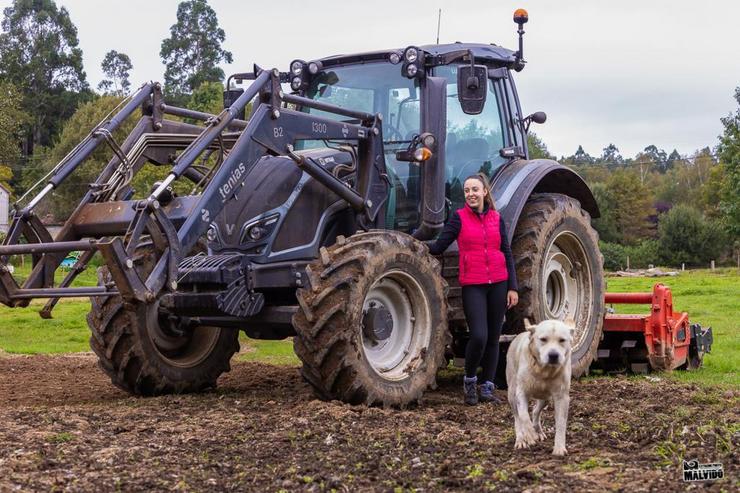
{"x": 272, "y": 130}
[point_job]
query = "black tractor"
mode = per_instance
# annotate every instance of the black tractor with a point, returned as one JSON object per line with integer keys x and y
{"x": 307, "y": 218}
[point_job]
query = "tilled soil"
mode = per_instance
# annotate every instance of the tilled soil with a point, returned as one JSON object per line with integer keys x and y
{"x": 63, "y": 426}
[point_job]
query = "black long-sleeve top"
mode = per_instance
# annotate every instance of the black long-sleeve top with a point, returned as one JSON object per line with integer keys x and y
{"x": 452, "y": 230}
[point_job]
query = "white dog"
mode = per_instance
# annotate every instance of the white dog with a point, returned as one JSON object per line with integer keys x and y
{"x": 538, "y": 367}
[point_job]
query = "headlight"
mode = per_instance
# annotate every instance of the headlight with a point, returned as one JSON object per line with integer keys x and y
{"x": 394, "y": 58}
{"x": 295, "y": 84}
{"x": 411, "y": 54}
{"x": 314, "y": 68}
{"x": 255, "y": 233}
{"x": 211, "y": 234}
{"x": 296, "y": 67}
{"x": 413, "y": 63}
{"x": 428, "y": 139}
{"x": 258, "y": 230}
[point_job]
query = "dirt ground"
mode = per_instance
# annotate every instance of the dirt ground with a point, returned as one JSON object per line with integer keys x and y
{"x": 63, "y": 426}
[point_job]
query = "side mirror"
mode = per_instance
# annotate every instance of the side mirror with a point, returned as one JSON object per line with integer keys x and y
{"x": 539, "y": 117}
{"x": 230, "y": 96}
{"x": 472, "y": 87}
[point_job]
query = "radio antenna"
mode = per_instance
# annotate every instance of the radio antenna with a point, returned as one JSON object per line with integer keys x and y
{"x": 439, "y": 21}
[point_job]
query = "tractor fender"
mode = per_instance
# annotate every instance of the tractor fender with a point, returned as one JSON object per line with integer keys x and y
{"x": 515, "y": 183}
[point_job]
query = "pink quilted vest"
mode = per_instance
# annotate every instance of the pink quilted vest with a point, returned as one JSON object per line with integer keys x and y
{"x": 479, "y": 243}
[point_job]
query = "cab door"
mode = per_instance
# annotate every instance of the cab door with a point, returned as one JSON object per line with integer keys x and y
{"x": 473, "y": 142}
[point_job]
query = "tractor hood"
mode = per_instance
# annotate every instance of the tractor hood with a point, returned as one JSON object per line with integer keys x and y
{"x": 279, "y": 207}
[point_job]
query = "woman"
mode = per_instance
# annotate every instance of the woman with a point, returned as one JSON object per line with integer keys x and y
{"x": 488, "y": 281}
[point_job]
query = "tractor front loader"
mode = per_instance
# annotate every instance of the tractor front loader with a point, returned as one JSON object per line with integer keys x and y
{"x": 166, "y": 312}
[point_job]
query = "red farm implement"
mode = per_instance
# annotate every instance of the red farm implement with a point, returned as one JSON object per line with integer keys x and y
{"x": 662, "y": 340}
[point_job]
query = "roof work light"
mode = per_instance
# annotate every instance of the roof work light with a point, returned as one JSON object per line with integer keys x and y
{"x": 413, "y": 63}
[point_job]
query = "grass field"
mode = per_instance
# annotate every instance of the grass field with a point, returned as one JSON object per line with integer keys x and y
{"x": 711, "y": 298}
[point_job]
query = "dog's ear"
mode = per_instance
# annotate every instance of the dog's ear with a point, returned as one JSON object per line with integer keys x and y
{"x": 528, "y": 326}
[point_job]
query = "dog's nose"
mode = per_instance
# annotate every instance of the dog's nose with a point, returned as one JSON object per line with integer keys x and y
{"x": 553, "y": 357}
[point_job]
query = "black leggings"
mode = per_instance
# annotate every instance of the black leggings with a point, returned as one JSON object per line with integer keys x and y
{"x": 484, "y": 306}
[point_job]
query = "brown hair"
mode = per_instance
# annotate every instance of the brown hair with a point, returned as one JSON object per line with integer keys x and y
{"x": 486, "y": 185}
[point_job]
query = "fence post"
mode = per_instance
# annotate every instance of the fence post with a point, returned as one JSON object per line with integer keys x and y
{"x": 712, "y": 265}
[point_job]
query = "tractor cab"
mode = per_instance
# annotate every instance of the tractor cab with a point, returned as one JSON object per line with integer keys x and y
{"x": 462, "y": 94}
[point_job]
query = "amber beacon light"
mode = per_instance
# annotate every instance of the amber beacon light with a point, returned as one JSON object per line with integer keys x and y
{"x": 521, "y": 16}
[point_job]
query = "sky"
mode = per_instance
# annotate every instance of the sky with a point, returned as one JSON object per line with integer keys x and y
{"x": 628, "y": 72}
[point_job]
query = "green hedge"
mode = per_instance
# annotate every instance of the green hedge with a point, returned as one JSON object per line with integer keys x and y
{"x": 641, "y": 256}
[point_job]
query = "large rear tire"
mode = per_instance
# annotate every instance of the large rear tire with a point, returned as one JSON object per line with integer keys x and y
{"x": 560, "y": 272}
{"x": 143, "y": 355}
{"x": 372, "y": 327}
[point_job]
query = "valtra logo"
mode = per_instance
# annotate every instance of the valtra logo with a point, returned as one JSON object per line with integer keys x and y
{"x": 228, "y": 187}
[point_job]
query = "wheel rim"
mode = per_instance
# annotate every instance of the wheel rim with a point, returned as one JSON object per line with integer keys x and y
{"x": 393, "y": 346}
{"x": 182, "y": 349}
{"x": 567, "y": 289}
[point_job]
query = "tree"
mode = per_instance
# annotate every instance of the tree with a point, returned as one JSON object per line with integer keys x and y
{"x": 674, "y": 187}
{"x": 193, "y": 50}
{"x": 644, "y": 163}
{"x": 710, "y": 193}
{"x": 686, "y": 237}
{"x": 729, "y": 152}
{"x": 606, "y": 224}
{"x": 66, "y": 197}
{"x": 39, "y": 55}
{"x": 658, "y": 157}
{"x": 12, "y": 121}
{"x": 701, "y": 164}
{"x": 673, "y": 158}
{"x": 611, "y": 157}
{"x": 537, "y": 148}
{"x": 582, "y": 158}
{"x": 6, "y": 175}
{"x": 116, "y": 66}
{"x": 208, "y": 98}
{"x": 631, "y": 206}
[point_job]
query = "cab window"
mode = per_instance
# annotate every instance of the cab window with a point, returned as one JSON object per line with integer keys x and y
{"x": 473, "y": 141}
{"x": 379, "y": 88}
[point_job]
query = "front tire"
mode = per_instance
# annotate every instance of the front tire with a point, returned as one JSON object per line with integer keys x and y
{"x": 560, "y": 272}
{"x": 372, "y": 327}
{"x": 143, "y": 356}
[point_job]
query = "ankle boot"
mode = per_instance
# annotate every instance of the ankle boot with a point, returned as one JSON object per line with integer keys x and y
{"x": 470, "y": 387}
{"x": 486, "y": 393}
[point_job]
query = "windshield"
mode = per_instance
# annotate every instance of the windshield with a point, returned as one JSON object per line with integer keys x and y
{"x": 379, "y": 88}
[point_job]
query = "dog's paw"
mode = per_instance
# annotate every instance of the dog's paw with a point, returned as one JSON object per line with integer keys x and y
{"x": 521, "y": 444}
{"x": 559, "y": 451}
{"x": 531, "y": 436}
{"x": 541, "y": 435}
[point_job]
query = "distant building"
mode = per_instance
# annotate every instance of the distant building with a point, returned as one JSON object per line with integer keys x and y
{"x": 4, "y": 209}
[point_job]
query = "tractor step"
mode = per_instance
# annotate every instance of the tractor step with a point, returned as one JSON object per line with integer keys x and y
{"x": 227, "y": 293}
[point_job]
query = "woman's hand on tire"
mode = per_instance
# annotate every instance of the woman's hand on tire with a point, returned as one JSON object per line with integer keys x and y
{"x": 512, "y": 298}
